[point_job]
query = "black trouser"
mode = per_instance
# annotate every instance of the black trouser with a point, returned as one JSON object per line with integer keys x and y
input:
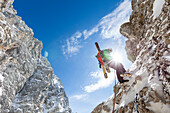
{"x": 119, "y": 70}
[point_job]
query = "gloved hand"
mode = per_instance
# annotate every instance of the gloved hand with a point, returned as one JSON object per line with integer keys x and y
{"x": 100, "y": 66}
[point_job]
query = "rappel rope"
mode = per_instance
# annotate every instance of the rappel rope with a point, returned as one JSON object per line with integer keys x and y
{"x": 136, "y": 100}
{"x": 114, "y": 97}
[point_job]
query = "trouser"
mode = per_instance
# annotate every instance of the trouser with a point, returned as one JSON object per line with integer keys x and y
{"x": 119, "y": 70}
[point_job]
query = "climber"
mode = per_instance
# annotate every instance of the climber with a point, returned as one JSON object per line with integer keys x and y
{"x": 109, "y": 62}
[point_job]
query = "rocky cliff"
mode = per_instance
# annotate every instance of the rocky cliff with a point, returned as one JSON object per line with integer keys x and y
{"x": 27, "y": 81}
{"x": 148, "y": 47}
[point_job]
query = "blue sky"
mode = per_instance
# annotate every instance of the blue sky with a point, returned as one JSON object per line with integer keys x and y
{"x": 68, "y": 30}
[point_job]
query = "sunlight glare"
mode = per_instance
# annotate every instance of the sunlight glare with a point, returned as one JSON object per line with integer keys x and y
{"x": 117, "y": 57}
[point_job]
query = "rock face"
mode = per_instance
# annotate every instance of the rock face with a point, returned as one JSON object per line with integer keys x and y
{"x": 27, "y": 82}
{"x": 148, "y": 47}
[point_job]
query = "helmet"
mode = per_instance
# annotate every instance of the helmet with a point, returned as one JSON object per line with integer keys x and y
{"x": 110, "y": 49}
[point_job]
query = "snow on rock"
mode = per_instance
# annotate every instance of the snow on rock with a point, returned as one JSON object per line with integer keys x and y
{"x": 148, "y": 48}
{"x": 159, "y": 107}
{"x": 56, "y": 100}
{"x": 6, "y": 5}
{"x": 157, "y": 7}
{"x": 26, "y": 78}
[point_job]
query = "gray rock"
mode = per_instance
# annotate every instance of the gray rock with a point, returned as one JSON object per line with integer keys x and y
{"x": 26, "y": 78}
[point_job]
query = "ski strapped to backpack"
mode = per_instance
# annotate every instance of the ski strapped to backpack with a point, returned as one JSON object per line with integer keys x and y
{"x": 101, "y": 61}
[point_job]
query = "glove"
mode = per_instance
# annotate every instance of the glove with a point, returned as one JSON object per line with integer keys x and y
{"x": 100, "y": 65}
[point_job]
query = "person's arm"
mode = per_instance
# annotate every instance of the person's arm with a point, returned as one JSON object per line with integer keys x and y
{"x": 106, "y": 51}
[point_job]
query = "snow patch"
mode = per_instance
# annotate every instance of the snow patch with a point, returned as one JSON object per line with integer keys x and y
{"x": 167, "y": 57}
{"x": 122, "y": 104}
{"x": 140, "y": 84}
{"x": 109, "y": 103}
{"x": 55, "y": 81}
{"x": 0, "y": 91}
{"x": 159, "y": 107}
{"x": 130, "y": 96}
{"x": 1, "y": 80}
{"x": 157, "y": 7}
{"x": 1, "y": 77}
{"x": 156, "y": 85}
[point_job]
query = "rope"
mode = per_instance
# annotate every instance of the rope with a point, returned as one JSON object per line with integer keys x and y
{"x": 136, "y": 100}
{"x": 114, "y": 102}
{"x": 115, "y": 96}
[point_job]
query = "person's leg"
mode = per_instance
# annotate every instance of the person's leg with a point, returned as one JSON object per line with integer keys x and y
{"x": 112, "y": 65}
{"x": 119, "y": 70}
{"x": 121, "y": 80}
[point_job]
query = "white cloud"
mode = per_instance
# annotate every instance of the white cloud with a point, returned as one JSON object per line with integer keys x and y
{"x": 46, "y": 54}
{"x": 101, "y": 81}
{"x": 77, "y": 34}
{"x": 79, "y": 97}
{"x": 110, "y": 24}
{"x": 108, "y": 27}
{"x": 72, "y": 44}
{"x": 90, "y": 32}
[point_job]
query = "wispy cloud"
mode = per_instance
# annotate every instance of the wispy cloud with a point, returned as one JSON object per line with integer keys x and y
{"x": 108, "y": 27}
{"x": 77, "y": 35}
{"x": 72, "y": 44}
{"x": 101, "y": 82}
{"x": 110, "y": 24}
{"x": 87, "y": 34}
{"x": 79, "y": 97}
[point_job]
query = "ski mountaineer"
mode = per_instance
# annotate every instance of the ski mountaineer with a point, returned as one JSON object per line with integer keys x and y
{"x": 109, "y": 62}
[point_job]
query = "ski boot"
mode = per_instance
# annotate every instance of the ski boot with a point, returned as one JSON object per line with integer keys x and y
{"x": 126, "y": 75}
{"x": 107, "y": 69}
{"x": 124, "y": 81}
